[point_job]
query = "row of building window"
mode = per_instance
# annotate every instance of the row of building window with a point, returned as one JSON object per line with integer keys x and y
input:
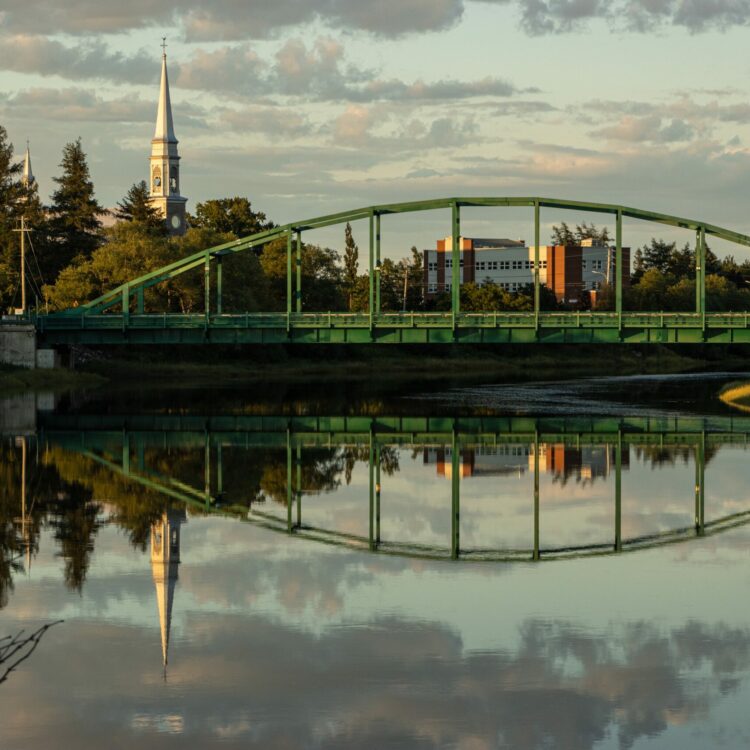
{"x": 507, "y": 286}
{"x": 596, "y": 265}
{"x": 498, "y": 265}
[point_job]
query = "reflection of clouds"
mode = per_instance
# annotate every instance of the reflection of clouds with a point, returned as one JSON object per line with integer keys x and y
{"x": 250, "y": 681}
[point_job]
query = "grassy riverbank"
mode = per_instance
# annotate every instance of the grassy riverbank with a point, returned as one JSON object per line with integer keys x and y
{"x": 190, "y": 367}
{"x": 18, "y": 379}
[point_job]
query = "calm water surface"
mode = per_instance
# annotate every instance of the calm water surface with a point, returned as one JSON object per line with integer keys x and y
{"x": 561, "y": 565}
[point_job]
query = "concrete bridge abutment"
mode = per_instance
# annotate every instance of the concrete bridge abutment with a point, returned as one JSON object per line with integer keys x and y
{"x": 19, "y": 347}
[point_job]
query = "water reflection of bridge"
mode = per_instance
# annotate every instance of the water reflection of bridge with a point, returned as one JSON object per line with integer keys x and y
{"x": 120, "y": 443}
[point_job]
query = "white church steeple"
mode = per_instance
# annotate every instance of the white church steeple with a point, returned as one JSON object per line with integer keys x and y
{"x": 165, "y": 160}
{"x": 28, "y": 176}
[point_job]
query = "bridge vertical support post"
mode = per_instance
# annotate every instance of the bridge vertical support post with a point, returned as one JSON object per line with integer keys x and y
{"x": 125, "y": 305}
{"x": 207, "y": 468}
{"x": 618, "y": 268}
{"x": 455, "y": 496}
{"x": 139, "y": 305}
{"x": 536, "y": 495}
{"x": 618, "y": 493}
{"x": 125, "y": 453}
{"x": 371, "y": 272}
{"x": 299, "y": 271}
{"x": 299, "y": 486}
{"x": 219, "y": 286}
{"x": 141, "y": 456}
{"x": 700, "y": 272}
{"x": 377, "y": 495}
{"x": 371, "y": 479}
{"x": 219, "y": 471}
{"x": 455, "y": 261}
{"x": 289, "y": 478}
{"x": 377, "y": 264}
{"x": 288, "y": 278}
{"x": 700, "y": 485}
{"x": 537, "y": 240}
{"x": 207, "y": 286}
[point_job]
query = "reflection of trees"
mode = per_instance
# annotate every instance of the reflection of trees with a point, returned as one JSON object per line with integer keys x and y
{"x": 670, "y": 455}
{"x": 388, "y": 459}
{"x": 51, "y": 502}
{"x": 62, "y": 486}
{"x": 320, "y": 472}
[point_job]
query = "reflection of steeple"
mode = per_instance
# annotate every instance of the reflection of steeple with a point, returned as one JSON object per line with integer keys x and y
{"x": 165, "y": 557}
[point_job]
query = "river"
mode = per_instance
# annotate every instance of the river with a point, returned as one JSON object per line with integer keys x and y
{"x": 546, "y": 565}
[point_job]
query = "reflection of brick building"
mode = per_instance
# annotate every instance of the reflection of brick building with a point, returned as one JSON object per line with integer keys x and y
{"x": 485, "y": 461}
{"x": 567, "y": 270}
{"x": 585, "y": 464}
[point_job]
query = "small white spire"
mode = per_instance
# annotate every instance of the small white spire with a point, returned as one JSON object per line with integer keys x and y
{"x": 28, "y": 176}
{"x": 164, "y": 127}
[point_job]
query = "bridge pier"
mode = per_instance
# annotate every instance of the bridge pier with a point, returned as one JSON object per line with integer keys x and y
{"x": 18, "y": 347}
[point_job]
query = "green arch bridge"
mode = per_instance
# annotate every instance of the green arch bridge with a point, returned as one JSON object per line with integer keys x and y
{"x": 119, "y": 316}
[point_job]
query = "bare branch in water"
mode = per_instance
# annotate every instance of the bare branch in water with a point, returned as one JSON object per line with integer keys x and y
{"x": 15, "y": 649}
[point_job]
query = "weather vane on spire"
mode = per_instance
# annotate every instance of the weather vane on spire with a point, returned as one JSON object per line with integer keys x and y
{"x": 164, "y": 46}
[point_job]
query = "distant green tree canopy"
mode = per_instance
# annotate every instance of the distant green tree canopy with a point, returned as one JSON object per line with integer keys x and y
{"x": 229, "y": 216}
{"x": 133, "y": 249}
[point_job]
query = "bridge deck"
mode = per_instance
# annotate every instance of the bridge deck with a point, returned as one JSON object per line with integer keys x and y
{"x": 396, "y": 328}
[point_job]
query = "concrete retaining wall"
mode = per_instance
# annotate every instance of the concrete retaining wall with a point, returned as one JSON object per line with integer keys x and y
{"x": 18, "y": 345}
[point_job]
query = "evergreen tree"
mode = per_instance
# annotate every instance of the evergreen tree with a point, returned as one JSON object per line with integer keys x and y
{"x": 638, "y": 265}
{"x": 591, "y": 232}
{"x": 137, "y": 206}
{"x": 75, "y": 224}
{"x": 11, "y": 192}
{"x": 351, "y": 264}
{"x": 658, "y": 255}
{"x": 562, "y": 235}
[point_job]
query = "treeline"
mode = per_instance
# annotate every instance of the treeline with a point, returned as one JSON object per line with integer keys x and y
{"x": 72, "y": 259}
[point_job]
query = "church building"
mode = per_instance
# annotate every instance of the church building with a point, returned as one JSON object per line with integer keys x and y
{"x": 165, "y": 162}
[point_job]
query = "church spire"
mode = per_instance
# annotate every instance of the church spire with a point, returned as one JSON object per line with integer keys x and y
{"x": 164, "y": 126}
{"x": 28, "y": 176}
{"x": 165, "y": 160}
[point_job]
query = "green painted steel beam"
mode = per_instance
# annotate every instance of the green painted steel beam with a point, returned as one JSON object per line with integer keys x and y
{"x": 377, "y": 264}
{"x": 455, "y": 260}
{"x": 114, "y": 297}
{"x": 618, "y": 264}
{"x": 288, "y": 275}
{"x": 219, "y": 286}
{"x": 298, "y": 261}
{"x": 537, "y": 241}
{"x": 371, "y": 271}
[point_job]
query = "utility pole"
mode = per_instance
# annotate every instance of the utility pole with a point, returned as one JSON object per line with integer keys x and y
{"x": 406, "y": 282}
{"x": 23, "y": 231}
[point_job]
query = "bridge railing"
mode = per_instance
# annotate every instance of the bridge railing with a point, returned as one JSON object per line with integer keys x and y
{"x": 390, "y": 320}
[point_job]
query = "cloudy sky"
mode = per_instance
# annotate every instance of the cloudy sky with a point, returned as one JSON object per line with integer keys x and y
{"x": 313, "y": 107}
